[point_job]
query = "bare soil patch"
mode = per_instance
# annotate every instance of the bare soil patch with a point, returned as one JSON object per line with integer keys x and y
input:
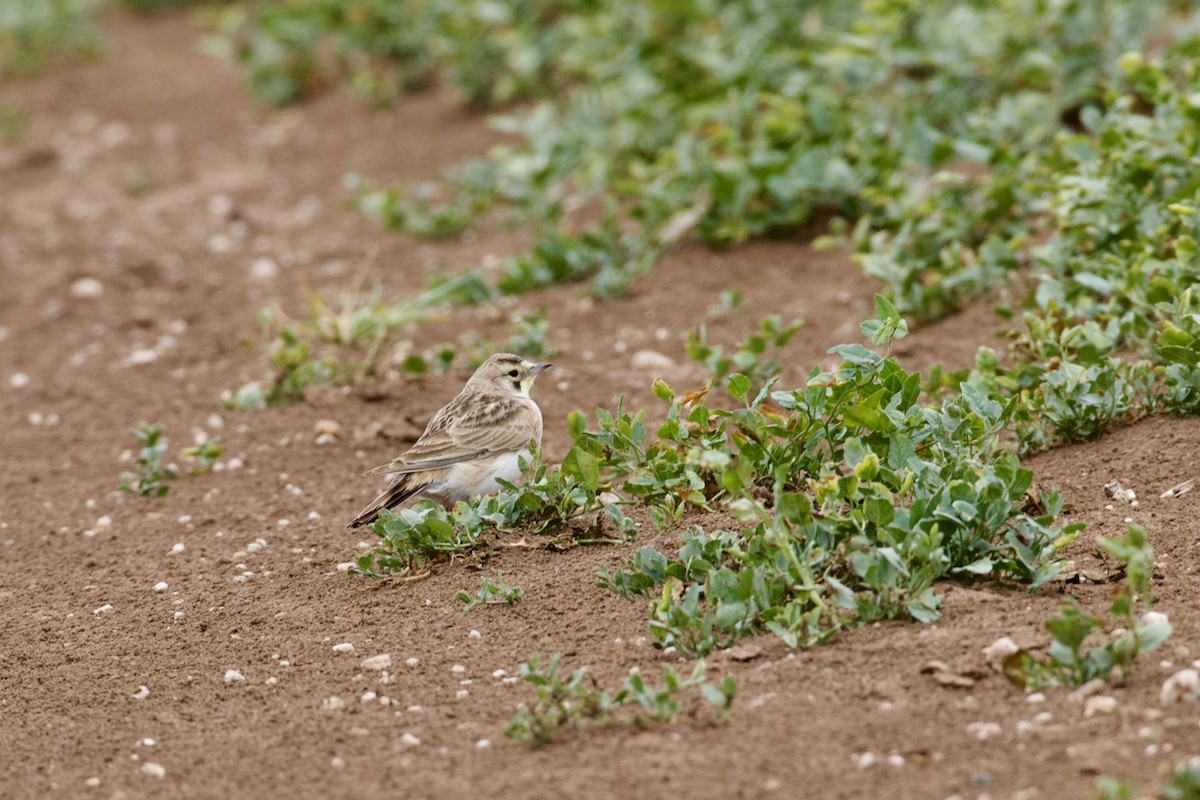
{"x": 154, "y": 173}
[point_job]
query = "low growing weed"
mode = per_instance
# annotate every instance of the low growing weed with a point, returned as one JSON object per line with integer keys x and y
{"x": 576, "y": 700}
{"x": 494, "y": 591}
{"x": 1082, "y": 650}
{"x": 153, "y": 474}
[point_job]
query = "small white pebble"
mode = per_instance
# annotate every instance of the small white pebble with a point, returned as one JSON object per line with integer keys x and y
{"x": 344, "y": 647}
{"x": 178, "y": 548}
{"x": 474, "y": 635}
{"x": 346, "y": 566}
{"x": 92, "y": 783}
{"x": 983, "y": 730}
{"x": 142, "y": 693}
{"x": 313, "y": 515}
{"x": 895, "y": 760}
{"x": 458, "y": 669}
{"x": 19, "y": 380}
{"x": 412, "y": 661}
{"x": 283, "y": 523}
{"x": 147, "y": 742}
{"x": 104, "y": 609}
{"x": 379, "y": 662}
{"x": 271, "y": 681}
{"x": 337, "y": 762}
{"x": 1043, "y": 718}
{"x": 865, "y": 760}
{"x": 461, "y": 694}
{"x": 408, "y": 740}
{"x": 1036, "y": 697}
{"x": 500, "y": 673}
{"x": 1000, "y": 649}
{"x": 104, "y": 522}
{"x": 233, "y": 676}
{"x": 1099, "y": 704}
{"x": 333, "y": 703}
{"x": 154, "y": 770}
{"x": 161, "y": 586}
{"x": 178, "y": 615}
{"x": 368, "y": 697}
{"x": 263, "y": 269}
{"x": 483, "y": 743}
{"x": 1184, "y": 684}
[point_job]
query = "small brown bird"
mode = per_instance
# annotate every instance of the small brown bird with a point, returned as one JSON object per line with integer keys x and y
{"x": 477, "y": 437}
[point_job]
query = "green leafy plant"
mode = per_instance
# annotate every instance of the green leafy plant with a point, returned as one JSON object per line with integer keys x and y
{"x": 494, "y": 591}
{"x": 1081, "y": 649}
{"x": 33, "y": 35}
{"x": 205, "y": 454}
{"x": 1183, "y": 784}
{"x": 856, "y": 499}
{"x": 577, "y": 701}
{"x": 152, "y": 475}
{"x": 756, "y": 358}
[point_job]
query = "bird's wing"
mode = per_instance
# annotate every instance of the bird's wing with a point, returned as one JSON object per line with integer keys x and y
{"x": 463, "y": 432}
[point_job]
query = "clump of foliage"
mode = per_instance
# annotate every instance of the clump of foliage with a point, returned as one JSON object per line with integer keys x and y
{"x": 34, "y": 34}
{"x": 577, "y": 700}
{"x": 757, "y": 356}
{"x": 152, "y": 472}
{"x": 340, "y": 341}
{"x": 726, "y": 120}
{"x": 494, "y": 591}
{"x": 205, "y": 454}
{"x": 856, "y": 499}
{"x": 1081, "y": 650}
{"x": 1183, "y": 784}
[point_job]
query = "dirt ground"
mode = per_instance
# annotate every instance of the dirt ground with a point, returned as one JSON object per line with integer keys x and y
{"x": 154, "y": 173}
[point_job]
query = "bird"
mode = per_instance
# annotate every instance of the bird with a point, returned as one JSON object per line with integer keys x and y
{"x": 477, "y": 438}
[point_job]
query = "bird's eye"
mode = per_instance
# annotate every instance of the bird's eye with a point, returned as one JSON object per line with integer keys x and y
{"x": 512, "y": 373}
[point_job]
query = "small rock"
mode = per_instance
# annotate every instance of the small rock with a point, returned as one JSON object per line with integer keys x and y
{"x": 327, "y": 431}
{"x": 983, "y": 730}
{"x": 408, "y": 740}
{"x": 344, "y": 647}
{"x": 233, "y": 676}
{"x": 142, "y": 693}
{"x": 1089, "y": 688}
{"x": 1116, "y": 491}
{"x": 895, "y": 760}
{"x": 337, "y": 762}
{"x": 87, "y": 289}
{"x": 264, "y": 269}
{"x": 19, "y": 380}
{"x": 1036, "y": 697}
{"x": 381, "y": 661}
{"x": 1183, "y": 685}
{"x": 1099, "y": 704}
{"x": 744, "y": 652}
{"x": 651, "y": 360}
{"x": 333, "y": 703}
{"x": 997, "y": 651}
{"x": 161, "y": 586}
{"x": 458, "y": 669}
{"x": 865, "y": 760}
{"x": 154, "y": 770}
{"x": 483, "y": 744}
{"x": 104, "y": 609}
{"x": 412, "y": 661}
{"x": 178, "y": 548}
{"x": 474, "y": 635}
{"x": 92, "y": 782}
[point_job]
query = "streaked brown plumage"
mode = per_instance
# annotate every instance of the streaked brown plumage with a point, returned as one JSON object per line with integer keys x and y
{"x": 478, "y": 436}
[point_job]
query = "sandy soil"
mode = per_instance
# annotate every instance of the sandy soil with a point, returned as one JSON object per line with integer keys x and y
{"x": 154, "y": 173}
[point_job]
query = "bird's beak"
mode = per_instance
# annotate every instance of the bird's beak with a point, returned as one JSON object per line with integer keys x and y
{"x": 538, "y": 367}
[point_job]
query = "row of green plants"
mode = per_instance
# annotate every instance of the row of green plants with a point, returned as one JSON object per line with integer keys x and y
{"x": 651, "y": 122}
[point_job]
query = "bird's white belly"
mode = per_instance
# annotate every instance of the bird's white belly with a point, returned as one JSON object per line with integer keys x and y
{"x": 472, "y": 478}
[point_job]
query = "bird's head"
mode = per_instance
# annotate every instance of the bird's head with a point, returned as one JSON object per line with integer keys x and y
{"x": 508, "y": 373}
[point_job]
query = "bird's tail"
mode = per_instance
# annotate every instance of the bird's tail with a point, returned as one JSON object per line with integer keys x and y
{"x": 391, "y": 497}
